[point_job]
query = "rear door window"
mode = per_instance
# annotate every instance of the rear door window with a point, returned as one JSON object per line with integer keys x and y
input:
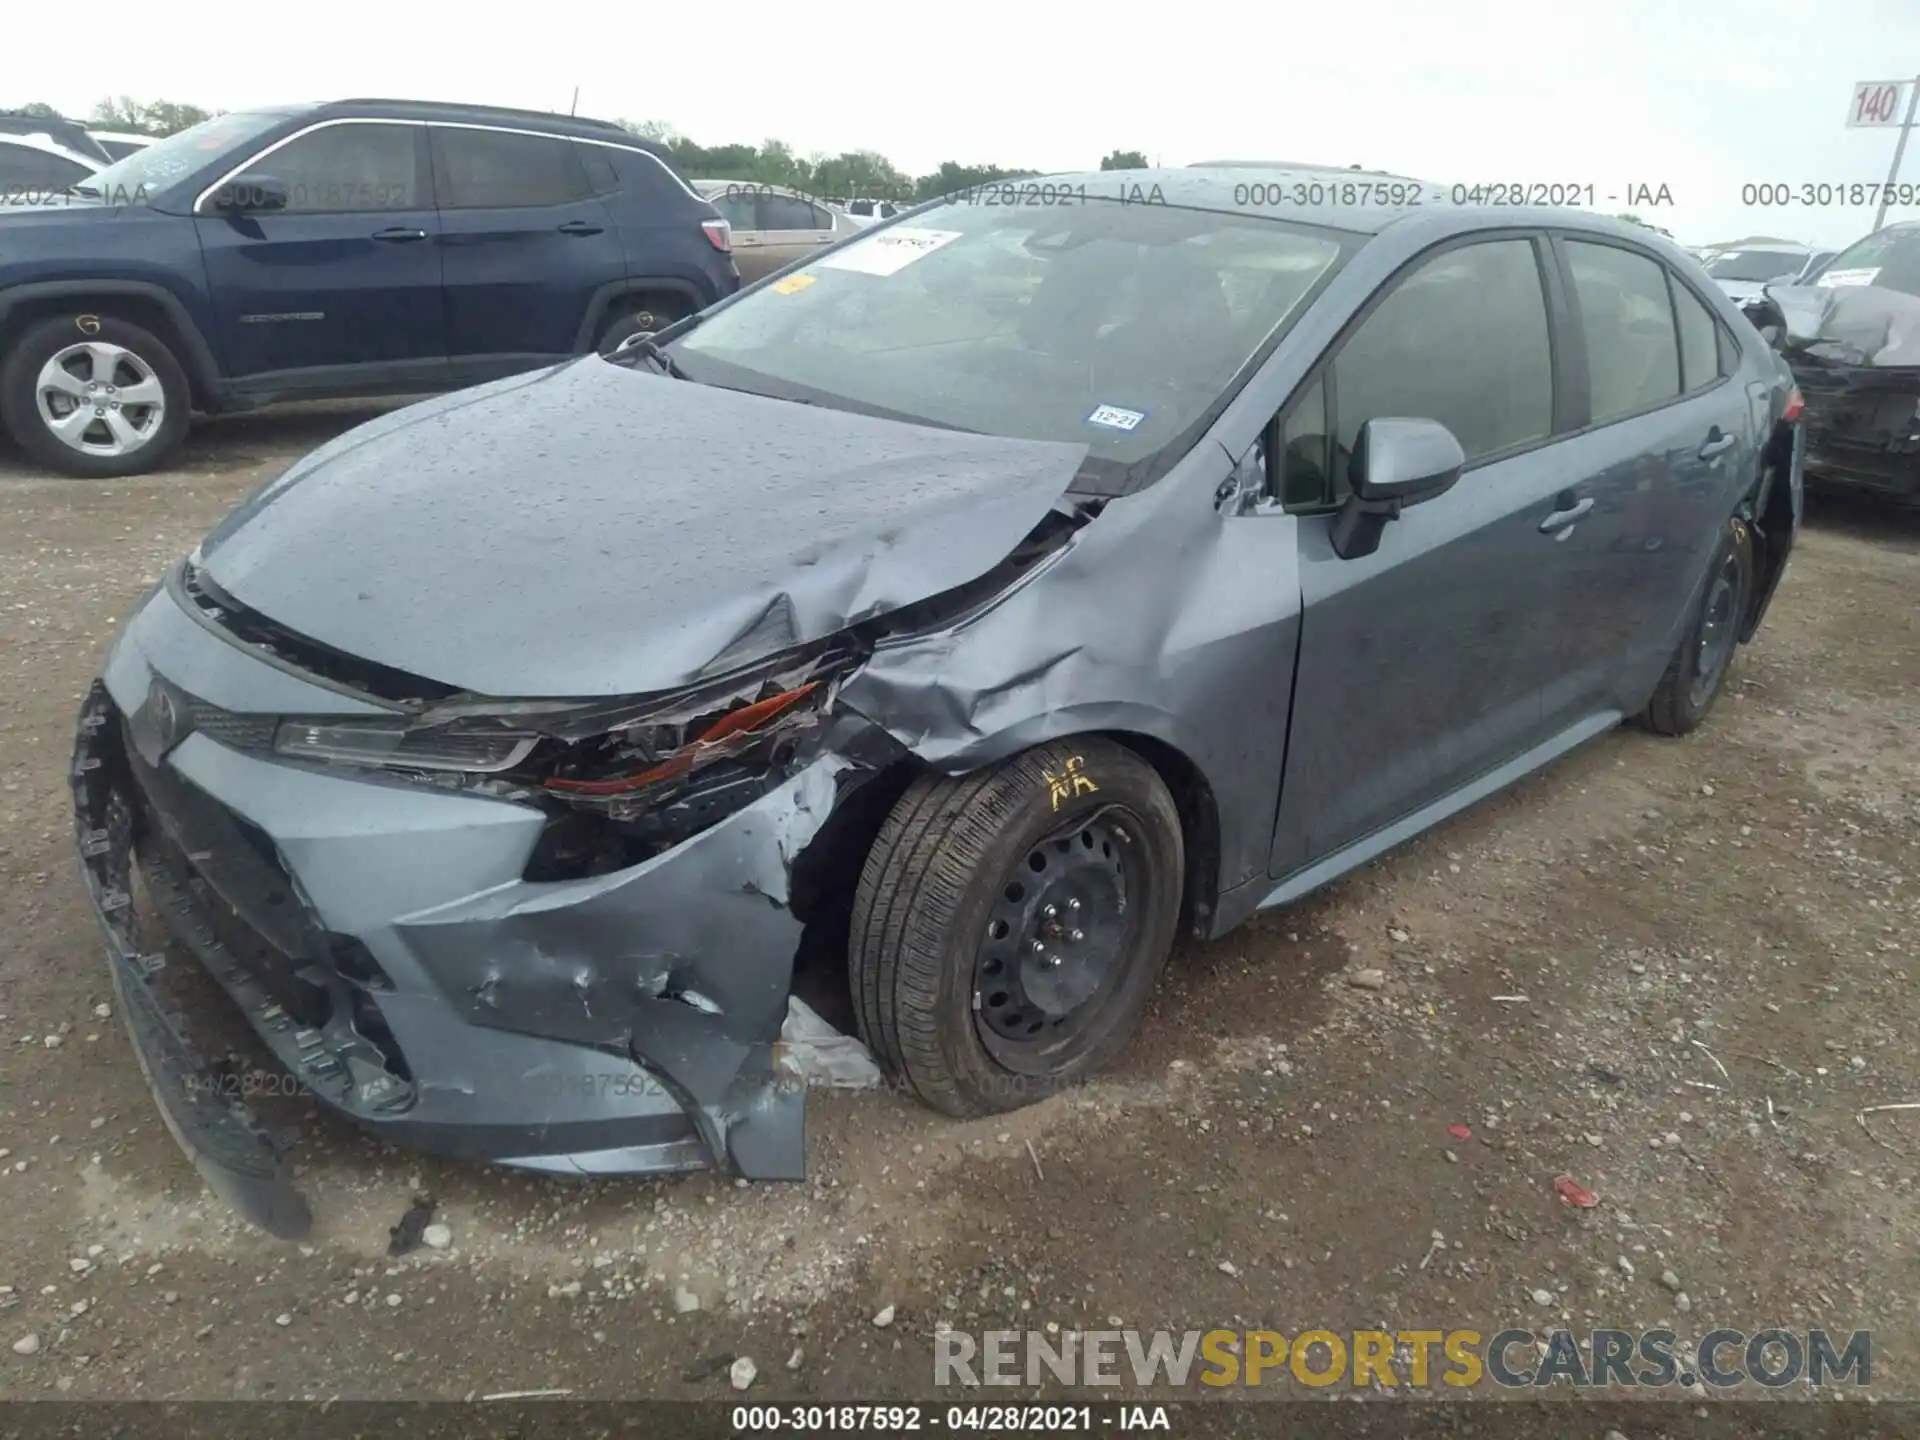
{"x": 502, "y": 170}
{"x": 1699, "y": 339}
{"x": 1633, "y": 354}
{"x": 789, "y": 212}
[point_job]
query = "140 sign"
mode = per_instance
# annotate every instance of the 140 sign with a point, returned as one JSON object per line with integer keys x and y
{"x": 1878, "y": 102}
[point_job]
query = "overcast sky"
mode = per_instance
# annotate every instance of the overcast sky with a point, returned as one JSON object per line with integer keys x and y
{"x": 1703, "y": 96}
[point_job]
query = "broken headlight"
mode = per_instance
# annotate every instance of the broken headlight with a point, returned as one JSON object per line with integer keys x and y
{"x": 394, "y": 744}
{"x": 646, "y": 780}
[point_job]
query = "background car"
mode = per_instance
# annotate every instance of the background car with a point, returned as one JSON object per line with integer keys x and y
{"x": 1742, "y": 272}
{"x": 359, "y": 247}
{"x": 36, "y": 168}
{"x": 121, "y": 143}
{"x": 773, "y": 225}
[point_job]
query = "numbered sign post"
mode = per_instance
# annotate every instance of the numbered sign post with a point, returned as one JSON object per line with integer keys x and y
{"x": 1885, "y": 103}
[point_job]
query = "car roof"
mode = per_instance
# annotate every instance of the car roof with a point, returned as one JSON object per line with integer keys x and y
{"x": 125, "y": 136}
{"x": 65, "y": 136}
{"x": 50, "y": 147}
{"x": 577, "y": 126}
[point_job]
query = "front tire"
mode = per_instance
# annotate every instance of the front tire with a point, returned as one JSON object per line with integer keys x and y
{"x": 1698, "y": 670}
{"x": 93, "y": 396}
{"x": 1010, "y": 924}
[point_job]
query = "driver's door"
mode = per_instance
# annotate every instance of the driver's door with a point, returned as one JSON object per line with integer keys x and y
{"x": 342, "y": 286}
{"x": 1429, "y": 662}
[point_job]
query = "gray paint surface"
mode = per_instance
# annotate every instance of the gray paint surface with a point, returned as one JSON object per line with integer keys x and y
{"x": 602, "y": 530}
{"x": 591, "y": 530}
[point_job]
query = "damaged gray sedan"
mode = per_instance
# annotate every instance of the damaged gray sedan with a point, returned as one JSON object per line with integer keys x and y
{"x": 971, "y": 610}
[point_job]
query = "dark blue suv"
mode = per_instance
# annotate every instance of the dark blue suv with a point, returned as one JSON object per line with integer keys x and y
{"x": 356, "y": 248}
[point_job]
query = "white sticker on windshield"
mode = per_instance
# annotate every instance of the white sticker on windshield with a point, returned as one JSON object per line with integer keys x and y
{"x": 1848, "y": 277}
{"x": 890, "y": 250}
{"x": 1114, "y": 418}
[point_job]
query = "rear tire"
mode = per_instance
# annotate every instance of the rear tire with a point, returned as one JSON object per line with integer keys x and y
{"x": 65, "y": 367}
{"x": 1698, "y": 670}
{"x": 639, "y": 316}
{"x": 1010, "y": 924}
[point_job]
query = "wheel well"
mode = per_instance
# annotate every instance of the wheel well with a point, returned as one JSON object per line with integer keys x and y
{"x": 1199, "y": 826}
{"x": 142, "y": 310}
{"x": 670, "y": 302}
{"x": 826, "y": 873}
{"x": 1772, "y": 520}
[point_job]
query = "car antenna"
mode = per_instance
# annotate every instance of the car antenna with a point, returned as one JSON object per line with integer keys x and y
{"x": 574, "y": 108}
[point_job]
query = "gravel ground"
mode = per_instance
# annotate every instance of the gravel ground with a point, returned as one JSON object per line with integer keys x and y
{"x": 1677, "y": 971}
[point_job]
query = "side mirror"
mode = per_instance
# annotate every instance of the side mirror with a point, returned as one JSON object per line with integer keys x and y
{"x": 251, "y": 194}
{"x": 1396, "y": 463}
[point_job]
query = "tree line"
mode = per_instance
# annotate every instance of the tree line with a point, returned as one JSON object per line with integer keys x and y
{"x": 772, "y": 162}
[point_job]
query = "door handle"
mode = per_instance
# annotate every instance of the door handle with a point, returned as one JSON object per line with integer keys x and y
{"x": 399, "y": 235}
{"x": 1717, "y": 444}
{"x": 580, "y": 227}
{"x": 1566, "y": 517}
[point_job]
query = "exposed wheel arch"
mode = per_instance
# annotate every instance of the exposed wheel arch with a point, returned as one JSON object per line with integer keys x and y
{"x": 149, "y": 306}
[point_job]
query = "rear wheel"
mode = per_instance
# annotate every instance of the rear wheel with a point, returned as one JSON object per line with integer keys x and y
{"x": 1698, "y": 670}
{"x": 94, "y": 396}
{"x": 639, "y": 316}
{"x": 1009, "y": 925}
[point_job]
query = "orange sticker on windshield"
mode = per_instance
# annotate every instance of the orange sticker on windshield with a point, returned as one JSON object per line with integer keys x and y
{"x": 792, "y": 285}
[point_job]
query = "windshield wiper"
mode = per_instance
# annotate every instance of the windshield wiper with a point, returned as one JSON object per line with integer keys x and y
{"x": 645, "y": 344}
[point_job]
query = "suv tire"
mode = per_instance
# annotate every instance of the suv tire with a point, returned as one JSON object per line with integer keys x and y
{"x": 640, "y": 315}
{"x": 127, "y": 376}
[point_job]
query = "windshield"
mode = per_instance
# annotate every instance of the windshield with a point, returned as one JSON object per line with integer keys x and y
{"x": 1887, "y": 258}
{"x": 1120, "y": 326}
{"x": 152, "y": 168}
{"x": 1755, "y": 264}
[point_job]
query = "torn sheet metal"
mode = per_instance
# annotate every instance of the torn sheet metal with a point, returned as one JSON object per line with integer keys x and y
{"x": 595, "y": 530}
{"x": 1864, "y": 325}
{"x": 814, "y": 1053}
{"x": 683, "y": 963}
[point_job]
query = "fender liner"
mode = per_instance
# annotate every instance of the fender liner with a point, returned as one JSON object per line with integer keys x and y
{"x": 604, "y": 297}
{"x": 202, "y": 370}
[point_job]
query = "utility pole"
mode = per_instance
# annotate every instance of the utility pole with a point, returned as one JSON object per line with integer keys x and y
{"x": 1899, "y": 150}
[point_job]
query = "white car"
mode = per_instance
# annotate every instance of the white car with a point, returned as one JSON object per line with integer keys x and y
{"x": 35, "y": 168}
{"x": 1743, "y": 273}
{"x": 120, "y": 143}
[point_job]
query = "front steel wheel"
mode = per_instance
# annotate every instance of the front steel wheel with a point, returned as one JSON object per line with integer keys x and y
{"x": 1010, "y": 924}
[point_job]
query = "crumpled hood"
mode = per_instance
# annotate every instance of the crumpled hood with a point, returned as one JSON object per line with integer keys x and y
{"x": 1850, "y": 324}
{"x": 594, "y": 530}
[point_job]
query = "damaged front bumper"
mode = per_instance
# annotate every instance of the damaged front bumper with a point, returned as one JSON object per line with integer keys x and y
{"x": 379, "y": 938}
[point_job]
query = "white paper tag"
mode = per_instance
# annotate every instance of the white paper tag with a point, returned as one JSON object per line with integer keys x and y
{"x": 1113, "y": 417}
{"x": 889, "y": 251}
{"x": 1849, "y": 277}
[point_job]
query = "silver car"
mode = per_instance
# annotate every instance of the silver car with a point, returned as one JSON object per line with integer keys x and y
{"x": 772, "y": 225}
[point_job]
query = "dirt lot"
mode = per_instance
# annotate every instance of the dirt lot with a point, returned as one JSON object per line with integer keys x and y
{"x": 1715, "y": 941}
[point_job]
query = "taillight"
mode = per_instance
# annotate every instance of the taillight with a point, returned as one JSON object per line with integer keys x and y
{"x": 1796, "y": 405}
{"x": 719, "y": 235}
